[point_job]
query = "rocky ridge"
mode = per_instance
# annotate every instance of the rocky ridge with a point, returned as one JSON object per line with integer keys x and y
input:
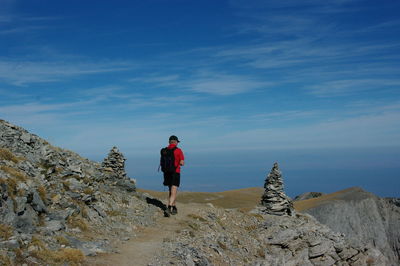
{"x": 308, "y": 195}
{"x": 364, "y": 218}
{"x": 57, "y": 207}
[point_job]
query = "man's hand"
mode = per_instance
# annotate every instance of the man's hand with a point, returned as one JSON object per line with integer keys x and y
{"x": 182, "y": 163}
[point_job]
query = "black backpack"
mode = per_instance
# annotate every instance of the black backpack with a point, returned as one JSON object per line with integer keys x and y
{"x": 167, "y": 160}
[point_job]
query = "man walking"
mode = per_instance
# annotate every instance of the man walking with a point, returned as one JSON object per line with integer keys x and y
{"x": 171, "y": 161}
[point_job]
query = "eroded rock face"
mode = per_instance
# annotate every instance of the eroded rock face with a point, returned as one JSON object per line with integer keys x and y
{"x": 274, "y": 198}
{"x": 364, "y": 218}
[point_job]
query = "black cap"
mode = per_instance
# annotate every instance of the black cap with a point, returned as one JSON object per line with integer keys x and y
{"x": 173, "y": 137}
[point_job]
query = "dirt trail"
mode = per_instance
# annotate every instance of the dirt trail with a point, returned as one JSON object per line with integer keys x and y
{"x": 141, "y": 249}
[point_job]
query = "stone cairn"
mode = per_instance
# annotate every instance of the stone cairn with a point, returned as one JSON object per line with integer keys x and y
{"x": 115, "y": 163}
{"x": 274, "y": 198}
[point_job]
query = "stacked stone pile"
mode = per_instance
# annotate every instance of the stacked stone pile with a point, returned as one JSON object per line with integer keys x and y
{"x": 114, "y": 166}
{"x": 115, "y": 163}
{"x": 274, "y": 198}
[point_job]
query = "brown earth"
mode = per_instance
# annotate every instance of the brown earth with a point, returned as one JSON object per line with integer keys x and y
{"x": 142, "y": 249}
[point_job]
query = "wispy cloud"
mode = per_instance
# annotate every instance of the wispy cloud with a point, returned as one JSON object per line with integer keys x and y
{"x": 350, "y": 87}
{"x": 24, "y": 72}
{"x": 224, "y": 84}
{"x": 207, "y": 82}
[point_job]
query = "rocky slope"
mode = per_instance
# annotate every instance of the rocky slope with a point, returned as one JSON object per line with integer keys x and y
{"x": 57, "y": 207}
{"x": 363, "y": 217}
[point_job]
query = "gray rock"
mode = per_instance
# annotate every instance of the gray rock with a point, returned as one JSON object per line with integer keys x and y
{"x": 25, "y": 137}
{"x": 36, "y": 202}
{"x": 127, "y": 184}
{"x": 19, "y": 205}
{"x": 55, "y": 225}
{"x": 26, "y": 223}
{"x": 364, "y": 218}
{"x": 9, "y": 244}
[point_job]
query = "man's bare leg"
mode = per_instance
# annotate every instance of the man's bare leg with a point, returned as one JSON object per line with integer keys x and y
{"x": 173, "y": 190}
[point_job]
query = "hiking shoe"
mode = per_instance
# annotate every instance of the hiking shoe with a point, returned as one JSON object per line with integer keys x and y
{"x": 174, "y": 210}
{"x": 168, "y": 212}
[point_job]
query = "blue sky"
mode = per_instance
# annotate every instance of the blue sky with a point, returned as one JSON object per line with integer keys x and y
{"x": 314, "y": 85}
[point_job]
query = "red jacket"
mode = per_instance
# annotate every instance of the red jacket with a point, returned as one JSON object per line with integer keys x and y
{"x": 178, "y": 154}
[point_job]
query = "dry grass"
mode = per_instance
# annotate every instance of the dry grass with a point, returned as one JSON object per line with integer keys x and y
{"x": 11, "y": 185}
{"x": 37, "y": 242}
{"x": 244, "y": 199}
{"x": 42, "y": 193}
{"x": 66, "y": 185}
{"x": 314, "y": 202}
{"x": 7, "y": 155}
{"x": 12, "y": 182}
{"x": 78, "y": 222}
{"x": 69, "y": 256}
{"x": 62, "y": 240}
{"x": 222, "y": 245}
{"x": 250, "y": 228}
{"x": 88, "y": 191}
{"x": 5, "y": 260}
{"x": 6, "y": 231}
{"x": 196, "y": 217}
{"x": 261, "y": 252}
{"x": 115, "y": 213}
{"x": 14, "y": 173}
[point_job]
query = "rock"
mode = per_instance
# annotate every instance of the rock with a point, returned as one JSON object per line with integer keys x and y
{"x": 308, "y": 195}
{"x": 128, "y": 185}
{"x": 36, "y": 202}
{"x": 10, "y": 244}
{"x": 26, "y": 222}
{"x": 365, "y": 219}
{"x": 274, "y": 199}
{"x": 19, "y": 206}
{"x": 55, "y": 225}
{"x": 26, "y": 138}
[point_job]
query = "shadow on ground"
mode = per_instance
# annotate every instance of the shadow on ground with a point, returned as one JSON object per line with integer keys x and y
{"x": 158, "y": 203}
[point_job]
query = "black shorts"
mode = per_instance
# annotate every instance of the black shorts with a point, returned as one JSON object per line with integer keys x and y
{"x": 172, "y": 179}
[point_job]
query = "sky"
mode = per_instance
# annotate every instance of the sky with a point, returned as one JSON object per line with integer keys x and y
{"x": 313, "y": 85}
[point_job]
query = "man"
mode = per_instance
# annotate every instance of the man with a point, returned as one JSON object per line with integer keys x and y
{"x": 171, "y": 161}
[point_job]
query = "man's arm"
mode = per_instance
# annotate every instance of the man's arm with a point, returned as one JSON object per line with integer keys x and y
{"x": 182, "y": 161}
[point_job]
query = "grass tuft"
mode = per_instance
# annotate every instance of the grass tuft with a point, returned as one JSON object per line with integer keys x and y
{"x": 42, "y": 193}
{"x": 6, "y": 231}
{"x": 69, "y": 256}
{"x": 197, "y": 217}
{"x": 5, "y": 260}
{"x": 62, "y": 240}
{"x": 14, "y": 173}
{"x": 78, "y": 222}
{"x": 7, "y": 155}
{"x": 88, "y": 191}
